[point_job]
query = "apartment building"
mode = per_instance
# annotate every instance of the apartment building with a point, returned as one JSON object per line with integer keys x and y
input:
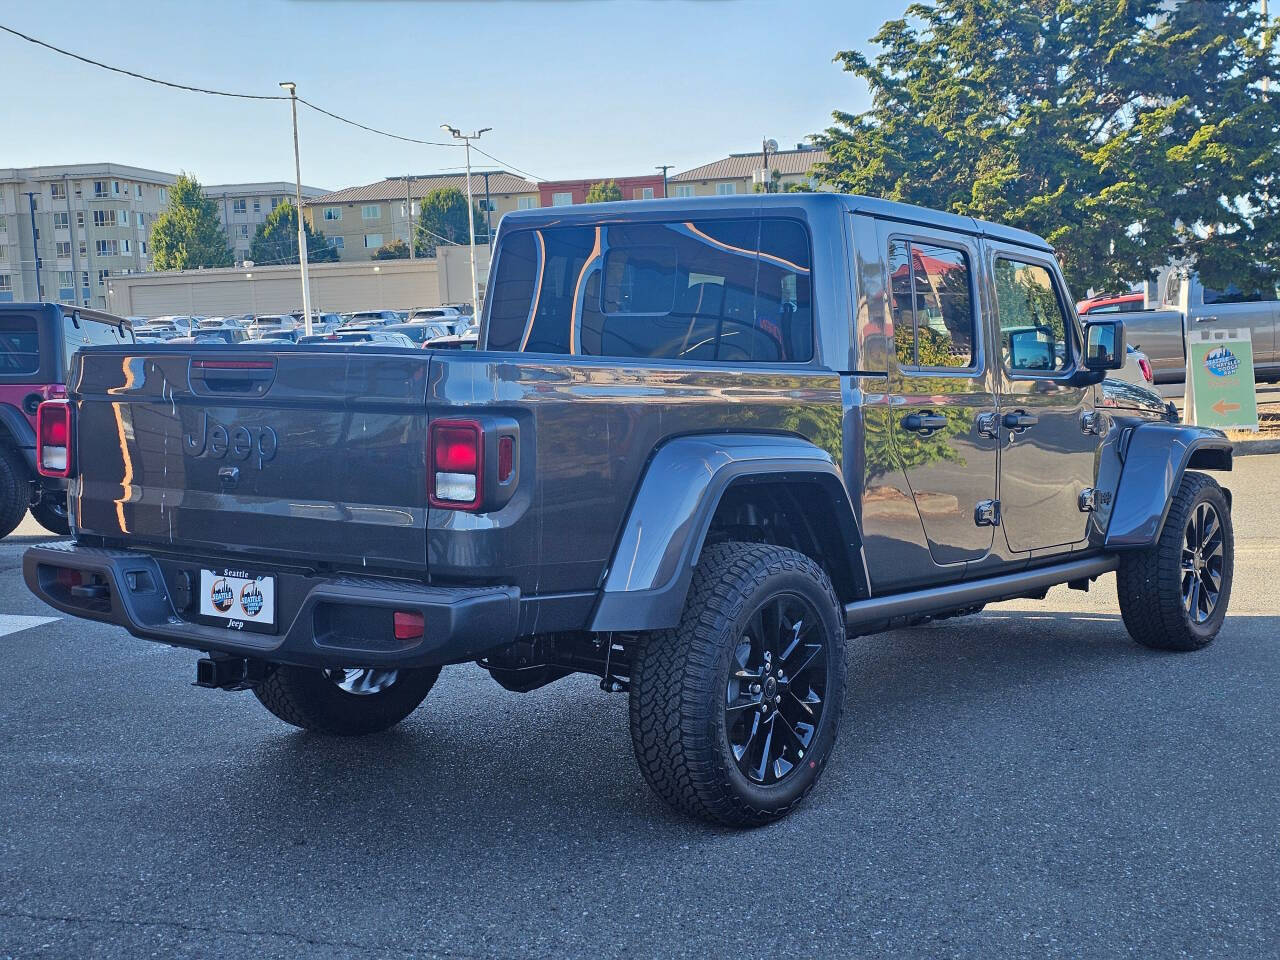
{"x": 242, "y": 206}
{"x": 557, "y": 193}
{"x": 359, "y": 220}
{"x": 74, "y": 226}
{"x": 741, "y": 172}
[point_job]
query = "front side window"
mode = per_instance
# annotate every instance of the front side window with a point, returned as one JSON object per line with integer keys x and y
{"x": 1034, "y": 331}
{"x": 717, "y": 291}
{"x": 931, "y": 303}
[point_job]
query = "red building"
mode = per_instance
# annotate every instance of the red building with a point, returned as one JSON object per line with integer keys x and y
{"x": 554, "y": 193}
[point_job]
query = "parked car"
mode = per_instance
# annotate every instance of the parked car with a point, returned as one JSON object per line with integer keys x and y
{"x": 1112, "y": 303}
{"x": 377, "y": 337}
{"x": 37, "y": 344}
{"x": 320, "y": 322}
{"x": 451, "y": 316}
{"x": 223, "y": 335}
{"x": 277, "y": 336}
{"x": 697, "y": 450}
{"x": 370, "y": 318}
{"x": 1160, "y": 333}
{"x": 270, "y": 322}
{"x": 419, "y": 332}
{"x": 455, "y": 341}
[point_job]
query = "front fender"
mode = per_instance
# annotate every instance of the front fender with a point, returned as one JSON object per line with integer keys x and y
{"x": 652, "y": 565}
{"x": 1154, "y": 460}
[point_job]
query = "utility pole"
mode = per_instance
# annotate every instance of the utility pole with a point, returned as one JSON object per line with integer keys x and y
{"x": 408, "y": 211}
{"x": 302, "y": 227}
{"x": 35, "y": 241}
{"x": 488, "y": 213}
{"x": 664, "y": 168}
{"x": 466, "y": 138}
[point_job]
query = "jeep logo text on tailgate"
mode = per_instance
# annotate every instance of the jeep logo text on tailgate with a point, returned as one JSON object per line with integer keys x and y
{"x": 237, "y": 441}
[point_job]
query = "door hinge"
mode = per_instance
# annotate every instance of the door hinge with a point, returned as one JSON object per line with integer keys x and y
{"x": 1091, "y": 422}
{"x": 987, "y": 513}
{"x": 988, "y": 426}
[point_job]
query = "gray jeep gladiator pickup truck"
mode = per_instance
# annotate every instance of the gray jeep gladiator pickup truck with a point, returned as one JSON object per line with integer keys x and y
{"x": 702, "y": 443}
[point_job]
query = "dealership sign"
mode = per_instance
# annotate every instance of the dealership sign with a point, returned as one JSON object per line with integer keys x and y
{"x": 1220, "y": 388}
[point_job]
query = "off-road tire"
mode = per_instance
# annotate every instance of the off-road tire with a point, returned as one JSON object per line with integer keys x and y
{"x": 678, "y": 687}
{"x": 52, "y": 515}
{"x": 15, "y": 489}
{"x": 307, "y": 698}
{"x": 1149, "y": 581}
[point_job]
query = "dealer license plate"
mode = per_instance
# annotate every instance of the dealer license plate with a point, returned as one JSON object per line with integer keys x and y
{"x": 238, "y": 599}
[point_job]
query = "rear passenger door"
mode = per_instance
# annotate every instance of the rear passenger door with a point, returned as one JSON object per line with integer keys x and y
{"x": 942, "y": 392}
{"x": 1046, "y": 447}
{"x": 1252, "y": 313}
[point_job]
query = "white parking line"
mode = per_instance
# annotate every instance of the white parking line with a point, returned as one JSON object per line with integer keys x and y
{"x": 12, "y": 624}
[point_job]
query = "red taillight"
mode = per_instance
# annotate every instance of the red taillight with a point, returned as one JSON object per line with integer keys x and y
{"x": 456, "y": 466}
{"x": 506, "y": 458}
{"x": 53, "y": 438}
{"x": 232, "y": 364}
{"x": 1145, "y": 367}
{"x": 409, "y": 624}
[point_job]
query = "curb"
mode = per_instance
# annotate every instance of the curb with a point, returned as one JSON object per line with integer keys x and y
{"x": 1245, "y": 448}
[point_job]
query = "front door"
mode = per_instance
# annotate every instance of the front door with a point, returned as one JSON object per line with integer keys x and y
{"x": 941, "y": 388}
{"x": 1046, "y": 449}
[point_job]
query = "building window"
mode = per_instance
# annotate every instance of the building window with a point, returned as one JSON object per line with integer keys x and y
{"x": 333, "y": 213}
{"x": 726, "y": 189}
{"x": 144, "y": 248}
{"x": 244, "y": 230}
{"x": 371, "y": 211}
{"x": 80, "y": 219}
{"x": 138, "y": 191}
{"x": 337, "y": 243}
{"x": 164, "y": 195}
{"x": 63, "y": 249}
{"x": 126, "y": 246}
{"x": 275, "y": 202}
{"x": 486, "y": 206}
{"x": 372, "y": 241}
{"x": 107, "y": 248}
{"x": 104, "y": 218}
{"x": 644, "y": 193}
{"x": 684, "y": 190}
{"x": 257, "y": 204}
{"x": 4, "y": 223}
{"x": 66, "y": 285}
{"x": 6, "y": 282}
{"x": 102, "y": 277}
{"x": 526, "y": 203}
{"x": 84, "y": 248}
{"x": 239, "y": 205}
{"x": 58, "y": 191}
{"x": 60, "y": 220}
{"x": 115, "y": 188}
{"x": 561, "y": 199}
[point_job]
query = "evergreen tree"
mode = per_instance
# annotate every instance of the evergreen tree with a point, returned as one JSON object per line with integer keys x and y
{"x": 443, "y": 219}
{"x": 188, "y": 234}
{"x": 1126, "y": 133}
{"x": 276, "y": 240}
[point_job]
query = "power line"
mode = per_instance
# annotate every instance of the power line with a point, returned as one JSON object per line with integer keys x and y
{"x": 249, "y": 96}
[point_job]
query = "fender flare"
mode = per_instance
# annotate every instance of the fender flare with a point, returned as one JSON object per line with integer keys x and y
{"x": 652, "y": 565}
{"x": 1155, "y": 456}
{"x": 19, "y": 428}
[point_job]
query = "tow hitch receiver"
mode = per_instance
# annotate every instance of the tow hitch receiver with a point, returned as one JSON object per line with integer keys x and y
{"x": 229, "y": 673}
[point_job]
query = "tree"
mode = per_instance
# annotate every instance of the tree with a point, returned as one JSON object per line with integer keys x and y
{"x": 188, "y": 234}
{"x": 276, "y": 239}
{"x": 443, "y": 219}
{"x": 395, "y": 250}
{"x": 603, "y": 192}
{"x": 1128, "y": 134}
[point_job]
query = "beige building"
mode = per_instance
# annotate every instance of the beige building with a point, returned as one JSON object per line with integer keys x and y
{"x": 740, "y": 173}
{"x": 335, "y": 287}
{"x": 359, "y": 220}
{"x": 79, "y": 224}
{"x": 242, "y": 206}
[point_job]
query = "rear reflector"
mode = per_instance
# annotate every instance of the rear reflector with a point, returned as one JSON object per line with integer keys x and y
{"x": 506, "y": 458}
{"x": 456, "y": 464}
{"x": 409, "y": 624}
{"x": 53, "y": 438}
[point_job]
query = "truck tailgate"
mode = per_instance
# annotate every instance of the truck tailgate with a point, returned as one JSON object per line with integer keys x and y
{"x": 316, "y": 455}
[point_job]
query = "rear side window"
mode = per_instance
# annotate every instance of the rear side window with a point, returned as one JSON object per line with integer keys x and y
{"x": 19, "y": 345}
{"x": 1233, "y": 294}
{"x": 735, "y": 291}
{"x": 932, "y": 305}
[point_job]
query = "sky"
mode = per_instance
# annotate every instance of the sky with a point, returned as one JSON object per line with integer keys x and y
{"x": 577, "y": 89}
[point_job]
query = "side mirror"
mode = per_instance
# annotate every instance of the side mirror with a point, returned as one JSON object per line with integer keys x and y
{"x": 1104, "y": 345}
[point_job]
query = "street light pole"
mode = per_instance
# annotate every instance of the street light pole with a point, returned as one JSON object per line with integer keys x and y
{"x": 466, "y": 138}
{"x": 302, "y": 228}
{"x": 408, "y": 211}
{"x": 664, "y": 168}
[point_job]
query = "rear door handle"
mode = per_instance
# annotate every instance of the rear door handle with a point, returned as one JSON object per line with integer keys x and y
{"x": 1019, "y": 420}
{"x": 924, "y": 422}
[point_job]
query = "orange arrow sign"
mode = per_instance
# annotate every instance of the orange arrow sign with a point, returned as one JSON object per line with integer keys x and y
{"x": 1222, "y": 408}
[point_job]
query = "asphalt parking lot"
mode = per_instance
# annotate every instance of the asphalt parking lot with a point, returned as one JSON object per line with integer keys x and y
{"x": 1026, "y": 782}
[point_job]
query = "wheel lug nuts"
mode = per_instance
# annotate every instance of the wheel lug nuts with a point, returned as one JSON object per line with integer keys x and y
{"x": 777, "y": 699}
{"x": 755, "y": 688}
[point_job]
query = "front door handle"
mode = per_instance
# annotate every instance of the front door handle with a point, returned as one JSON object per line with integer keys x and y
{"x": 924, "y": 423}
{"x": 1204, "y": 320}
{"x": 1019, "y": 420}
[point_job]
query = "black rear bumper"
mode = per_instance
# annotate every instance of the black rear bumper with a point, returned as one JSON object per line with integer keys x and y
{"x": 332, "y": 622}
